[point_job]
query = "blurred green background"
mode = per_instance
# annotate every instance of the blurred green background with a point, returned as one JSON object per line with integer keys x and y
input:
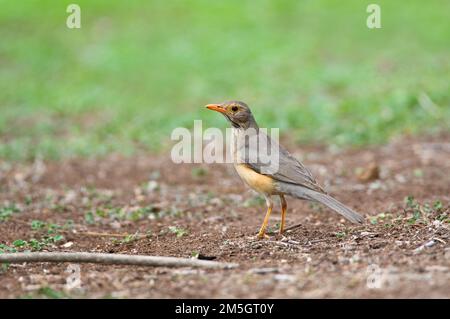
{"x": 138, "y": 69}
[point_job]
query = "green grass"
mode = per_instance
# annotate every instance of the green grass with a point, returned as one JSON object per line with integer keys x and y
{"x": 136, "y": 70}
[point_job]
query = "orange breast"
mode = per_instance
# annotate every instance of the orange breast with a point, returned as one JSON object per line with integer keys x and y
{"x": 260, "y": 183}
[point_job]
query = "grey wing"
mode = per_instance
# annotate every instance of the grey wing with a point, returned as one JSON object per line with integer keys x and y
{"x": 288, "y": 170}
{"x": 292, "y": 171}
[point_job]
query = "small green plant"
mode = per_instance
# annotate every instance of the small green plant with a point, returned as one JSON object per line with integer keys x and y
{"x": 415, "y": 217}
{"x": 89, "y": 218}
{"x": 140, "y": 213}
{"x": 59, "y": 208}
{"x": 437, "y": 205}
{"x": 35, "y": 245}
{"x": 37, "y": 224}
{"x": 19, "y": 243}
{"x": 341, "y": 234}
{"x": 418, "y": 173}
{"x": 180, "y": 232}
{"x": 101, "y": 213}
{"x": 7, "y": 211}
{"x": 68, "y": 224}
{"x": 52, "y": 294}
{"x": 4, "y": 267}
{"x": 374, "y": 220}
{"x": 130, "y": 238}
{"x": 5, "y": 248}
{"x": 126, "y": 213}
{"x": 51, "y": 228}
{"x": 32, "y": 244}
{"x": 198, "y": 172}
{"x": 28, "y": 200}
{"x": 423, "y": 213}
{"x": 444, "y": 217}
{"x": 410, "y": 201}
{"x": 56, "y": 238}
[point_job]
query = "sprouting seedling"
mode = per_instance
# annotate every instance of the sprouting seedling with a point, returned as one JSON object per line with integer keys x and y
{"x": 180, "y": 232}
{"x": 7, "y": 211}
{"x": 341, "y": 234}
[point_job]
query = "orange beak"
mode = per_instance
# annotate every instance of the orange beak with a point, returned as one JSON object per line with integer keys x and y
{"x": 216, "y": 107}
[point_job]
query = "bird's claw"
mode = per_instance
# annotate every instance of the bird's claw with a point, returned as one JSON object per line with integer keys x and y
{"x": 262, "y": 236}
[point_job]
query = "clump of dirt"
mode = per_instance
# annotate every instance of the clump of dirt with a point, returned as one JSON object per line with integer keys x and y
{"x": 148, "y": 205}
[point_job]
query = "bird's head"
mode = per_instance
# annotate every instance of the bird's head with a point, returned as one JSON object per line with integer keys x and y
{"x": 237, "y": 113}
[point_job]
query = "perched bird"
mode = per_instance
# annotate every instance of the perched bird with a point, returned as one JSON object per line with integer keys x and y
{"x": 289, "y": 176}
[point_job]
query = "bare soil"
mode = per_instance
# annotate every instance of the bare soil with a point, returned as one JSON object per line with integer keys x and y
{"x": 205, "y": 211}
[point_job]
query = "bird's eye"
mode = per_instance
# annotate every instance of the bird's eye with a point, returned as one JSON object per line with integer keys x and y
{"x": 234, "y": 108}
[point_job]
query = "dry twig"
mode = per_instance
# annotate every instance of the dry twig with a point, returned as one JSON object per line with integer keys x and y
{"x": 111, "y": 259}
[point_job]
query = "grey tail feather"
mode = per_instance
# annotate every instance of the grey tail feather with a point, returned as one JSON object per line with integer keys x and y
{"x": 334, "y": 204}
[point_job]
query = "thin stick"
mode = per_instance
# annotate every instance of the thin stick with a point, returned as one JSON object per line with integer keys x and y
{"x": 281, "y": 243}
{"x": 112, "y": 259}
{"x": 293, "y": 227}
{"x": 96, "y": 234}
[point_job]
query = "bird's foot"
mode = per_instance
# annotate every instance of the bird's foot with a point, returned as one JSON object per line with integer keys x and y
{"x": 262, "y": 236}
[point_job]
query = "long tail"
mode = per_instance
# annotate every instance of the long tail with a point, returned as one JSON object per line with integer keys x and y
{"x": 334, "y": 204}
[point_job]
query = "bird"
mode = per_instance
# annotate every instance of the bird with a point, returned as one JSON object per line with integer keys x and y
{"x": 289, "y": 178}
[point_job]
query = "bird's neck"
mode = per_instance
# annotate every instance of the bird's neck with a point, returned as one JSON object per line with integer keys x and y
{"x": 250, "y": 124}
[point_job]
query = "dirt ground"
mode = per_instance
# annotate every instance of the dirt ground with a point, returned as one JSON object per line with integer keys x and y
{"x": 205, "y": 211}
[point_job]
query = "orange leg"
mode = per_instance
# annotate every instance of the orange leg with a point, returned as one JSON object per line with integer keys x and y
{"x": 262, "y": 231}
{"x": 283, "y": 213}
